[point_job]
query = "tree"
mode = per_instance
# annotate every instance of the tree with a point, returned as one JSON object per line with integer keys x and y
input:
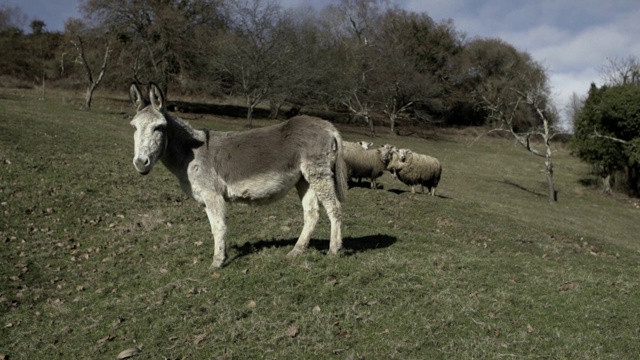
{"x": 37, "y": 27}
{"x": 621, "y": 71}
{"x": 490, "y": 70}
{"x": 607, "y": 134}
{"x": 76, "y": 30}
{"x": 305, "y": 61}
{"x": 412, "y": 72}
{"x": 11, "y": 17}
{"x": 352, "y": 27}
{"x": 161, "y": 39}
{"x": 572, "y": 109}
{"x": 253, "y": 53}
{"x": 532, "y": 96}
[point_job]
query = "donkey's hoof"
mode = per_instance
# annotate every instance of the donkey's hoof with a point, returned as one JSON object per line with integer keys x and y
{"x": 295, "y": 252}
{"x": 217, "y": 263}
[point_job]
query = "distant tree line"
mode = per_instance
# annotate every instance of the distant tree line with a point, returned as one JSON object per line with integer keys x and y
{"x": 368, "y": 58}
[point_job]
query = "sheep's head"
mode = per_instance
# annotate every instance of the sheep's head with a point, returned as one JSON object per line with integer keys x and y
{"x": 385, "y": 152}
{"x": 403, "y": 154}
{"x": 365, "y": 145}
{"x": 389, "y": 146}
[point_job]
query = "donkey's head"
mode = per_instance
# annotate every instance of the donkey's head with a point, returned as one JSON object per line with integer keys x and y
{"x": 150, "y": 137}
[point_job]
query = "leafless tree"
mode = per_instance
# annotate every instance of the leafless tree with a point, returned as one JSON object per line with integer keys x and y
{"x": 505, "y": 110}
{"x": 621, "y": 71}
{"x": 76, "y": 30}
{"x": 161, "y": 36}
{"x": 403, "y": 80}
{"x": 352, "y": 25}
{"x": 11, "y": 17}
{"x": 252, "y": 53}
{"x": 572, "y": 109}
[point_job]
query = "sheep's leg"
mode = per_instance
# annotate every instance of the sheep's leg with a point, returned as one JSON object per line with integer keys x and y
{"x": 413, "y": 189}
{"x": 373, "y": 183}
{"x": 215, "y": 208}
{"x": 311, "y": 215}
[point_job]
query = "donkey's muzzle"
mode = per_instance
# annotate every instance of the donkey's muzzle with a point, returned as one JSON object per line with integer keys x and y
{"x": 142, "y": 164}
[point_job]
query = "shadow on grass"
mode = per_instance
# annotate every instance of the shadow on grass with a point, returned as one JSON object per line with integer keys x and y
{"x": 350, "y": 245}
{"x": 362, "y": 185}
{"x": 589, "y": 182}
{"x": 400, "y": 192}
{"x": 509, "y": 182}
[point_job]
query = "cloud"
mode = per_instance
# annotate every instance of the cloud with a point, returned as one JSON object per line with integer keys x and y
{"x": 571, "y": 40}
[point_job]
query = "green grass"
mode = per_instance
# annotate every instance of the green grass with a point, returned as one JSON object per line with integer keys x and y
{"x": 96, "y": 259}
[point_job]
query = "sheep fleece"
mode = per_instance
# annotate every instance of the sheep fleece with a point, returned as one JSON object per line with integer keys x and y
{"x": 420, "y": 169}
{"x": 364, "y": 163}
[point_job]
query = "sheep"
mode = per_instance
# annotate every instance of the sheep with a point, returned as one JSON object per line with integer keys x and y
{"x": 363, "y": 144}
{"x": 416, "y": 169}
{"x": 369, "y": 163}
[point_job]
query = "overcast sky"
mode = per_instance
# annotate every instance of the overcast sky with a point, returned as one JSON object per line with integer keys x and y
{"x": 572, "y": 39}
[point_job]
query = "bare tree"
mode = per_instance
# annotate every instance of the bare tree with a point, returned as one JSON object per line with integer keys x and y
{"x": 404, "y": 80}
{"x": 251, "y": 53}
{"x": 161, "y": 36}
{"x": 621, "y": 71}
{"x": 572, "y": 109}
{"x": 352, "y": 26}
{"x": 75, "y": 29}
{"x": 11, "y": 17}
{"x": 503, "y": 111}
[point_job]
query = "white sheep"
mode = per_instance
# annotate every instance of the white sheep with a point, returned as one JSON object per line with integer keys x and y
{"x": 369, "y": 163}
{"x": 363, "y": 144}
{"x": 416, "y": 169}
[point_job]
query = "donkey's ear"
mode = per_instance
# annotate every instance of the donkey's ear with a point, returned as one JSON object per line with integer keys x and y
{"x": 136, "y": 97}
{"x": 157, "y": 98}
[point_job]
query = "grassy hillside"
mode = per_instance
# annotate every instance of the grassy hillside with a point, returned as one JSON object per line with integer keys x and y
{"x": 96, "y": 259}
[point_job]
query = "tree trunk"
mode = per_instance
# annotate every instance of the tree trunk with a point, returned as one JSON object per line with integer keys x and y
{"x": 88, "y": 96}
{"x": 274, "y": 109}
{"x": 371, "y": 127}
{"x": 249, "y": 116}
{"x": 392, "y": 123}
{"x": 553, "y": 195}
{"x": 606, "y": 183}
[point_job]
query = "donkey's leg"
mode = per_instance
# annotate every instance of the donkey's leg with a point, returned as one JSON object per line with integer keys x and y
{"x": 215, "y": 208}
{"x": 311, "y": 215}
{"x": 325, "y": 191}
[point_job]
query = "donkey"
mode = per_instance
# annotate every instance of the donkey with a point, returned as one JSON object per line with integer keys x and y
{"x": 254, "y": 166}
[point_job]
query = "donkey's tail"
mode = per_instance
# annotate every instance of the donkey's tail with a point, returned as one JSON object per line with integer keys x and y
{"x": 340, "y": 168}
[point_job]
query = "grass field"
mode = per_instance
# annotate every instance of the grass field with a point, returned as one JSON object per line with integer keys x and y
{"x": 96, "y": 259}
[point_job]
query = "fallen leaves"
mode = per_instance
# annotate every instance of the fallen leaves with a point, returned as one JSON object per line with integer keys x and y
{"x": 107, "y": 338}
{"x": 293, "y": 331}
{"x": 197, "y": 339}
{"x": 128, "y": 353}
{"x": 566, "y": 286}
{"x": 530, "y": 329}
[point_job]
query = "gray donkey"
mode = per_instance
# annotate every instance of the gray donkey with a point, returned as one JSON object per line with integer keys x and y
{"x": 253, "y": 166}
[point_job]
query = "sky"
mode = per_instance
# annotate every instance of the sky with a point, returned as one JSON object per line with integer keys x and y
{"x": 572, "y": 39}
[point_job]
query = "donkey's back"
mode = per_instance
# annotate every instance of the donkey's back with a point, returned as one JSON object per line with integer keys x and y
{"x": 261, "y": 164}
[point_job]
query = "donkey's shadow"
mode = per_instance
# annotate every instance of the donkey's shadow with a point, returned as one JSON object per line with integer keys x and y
{"x": 350, "y": 245}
